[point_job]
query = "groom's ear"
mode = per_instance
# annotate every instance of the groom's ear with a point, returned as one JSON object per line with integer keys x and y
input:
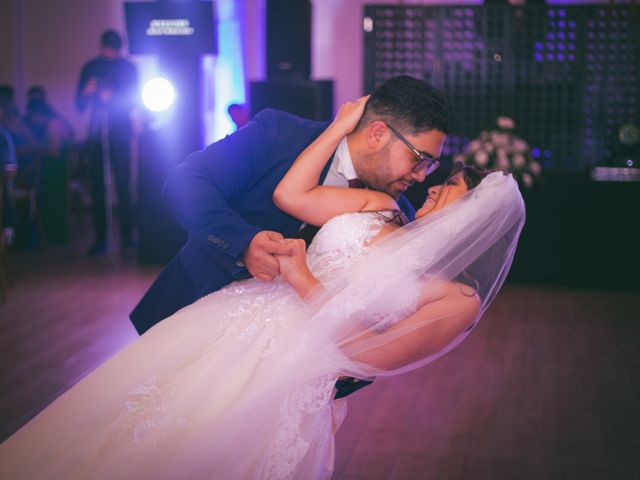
{"x": 377, "y": 135}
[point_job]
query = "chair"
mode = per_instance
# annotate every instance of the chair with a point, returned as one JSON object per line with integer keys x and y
{"x": 28, "y": 192}
{"x": 6, "y": 279}
{"x": 7, "y": 168}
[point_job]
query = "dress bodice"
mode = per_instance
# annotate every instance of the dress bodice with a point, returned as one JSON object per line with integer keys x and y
{"x": 342, "y": 241}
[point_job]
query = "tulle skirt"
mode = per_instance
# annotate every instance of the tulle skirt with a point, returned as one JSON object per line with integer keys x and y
{"x": 229, "y": 387}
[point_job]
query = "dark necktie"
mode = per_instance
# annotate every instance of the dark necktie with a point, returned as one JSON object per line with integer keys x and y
{"x": 355, "y": 183}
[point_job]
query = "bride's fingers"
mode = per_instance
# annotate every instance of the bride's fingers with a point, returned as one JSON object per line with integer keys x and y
{"x": 281, "y": 247}
{"x": 296, "y": 245}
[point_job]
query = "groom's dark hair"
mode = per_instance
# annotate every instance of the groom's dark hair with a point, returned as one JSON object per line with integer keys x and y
{"x": 410, "y": 105}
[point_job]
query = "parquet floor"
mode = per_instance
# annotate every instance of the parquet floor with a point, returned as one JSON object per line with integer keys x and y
{"x": 546, "y": 387}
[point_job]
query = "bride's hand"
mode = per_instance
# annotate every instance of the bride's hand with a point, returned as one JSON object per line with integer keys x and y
{"x": 349, "y": 115}
{"x": 293, "y": 266}
{"x": 294, "y": 269}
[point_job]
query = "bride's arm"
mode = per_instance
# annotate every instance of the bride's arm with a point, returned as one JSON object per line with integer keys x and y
{"x": 447, "y": 308}
{"x": 299, "y": 194}
{"x": 295, "y": 271}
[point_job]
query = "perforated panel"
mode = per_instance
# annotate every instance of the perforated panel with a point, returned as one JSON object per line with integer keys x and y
{"x": 568, "y": 75}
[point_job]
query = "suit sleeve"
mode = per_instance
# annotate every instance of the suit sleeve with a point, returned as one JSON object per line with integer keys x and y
{"x": 407, "y": 208}
{"x": 198, "y": 191}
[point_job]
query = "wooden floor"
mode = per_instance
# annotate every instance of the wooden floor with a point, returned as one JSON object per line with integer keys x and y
{"x": 546, "y": 387}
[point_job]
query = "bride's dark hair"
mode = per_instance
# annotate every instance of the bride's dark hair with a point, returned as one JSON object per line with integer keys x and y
{"x": 472, "y": 175}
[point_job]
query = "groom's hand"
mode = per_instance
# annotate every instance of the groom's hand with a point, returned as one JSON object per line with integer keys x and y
{"x": 260, "y": 255}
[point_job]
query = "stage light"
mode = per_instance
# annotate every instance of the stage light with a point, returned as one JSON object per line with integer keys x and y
{"x": 158, "y": 94}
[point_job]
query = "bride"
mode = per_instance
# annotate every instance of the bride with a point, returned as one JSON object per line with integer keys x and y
{"x": 240, "y": 383}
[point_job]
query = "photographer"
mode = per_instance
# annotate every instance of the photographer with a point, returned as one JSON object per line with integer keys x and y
{"x": 107, "y": 88}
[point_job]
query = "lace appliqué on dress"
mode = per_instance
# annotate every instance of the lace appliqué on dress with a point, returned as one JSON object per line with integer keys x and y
{"x": 289, "y": 445}
{"x": 342, "y": 241}
{"x": 262, "y": 309}
{"x": 146, "y": 417}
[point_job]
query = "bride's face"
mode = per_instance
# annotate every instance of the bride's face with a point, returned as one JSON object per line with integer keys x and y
{"x": 442, "y": 195}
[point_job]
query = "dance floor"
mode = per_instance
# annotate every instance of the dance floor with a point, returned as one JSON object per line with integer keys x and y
{"x": 546, "y": 387}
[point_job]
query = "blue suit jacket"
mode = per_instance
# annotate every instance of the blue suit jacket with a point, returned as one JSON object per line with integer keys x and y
{"x": 222, "y": 197}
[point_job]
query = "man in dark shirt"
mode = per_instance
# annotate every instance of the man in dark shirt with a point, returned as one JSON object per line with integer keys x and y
{"x": 108, "y": 89}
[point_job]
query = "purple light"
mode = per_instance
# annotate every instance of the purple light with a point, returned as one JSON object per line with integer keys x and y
{"x": 535, "y": 152}
{"x": 552, "y": 13}
{"x": 538, "y": 46}
{"x": 538, "y": 57}
{"x": 550, "y": 57}
{"x": 570, "y": 57}
{"x": 546, "y": 153}
{"x": 560, "y": 57}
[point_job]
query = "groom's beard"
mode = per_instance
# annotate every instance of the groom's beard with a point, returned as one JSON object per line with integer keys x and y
{"x": 375, "y": 171}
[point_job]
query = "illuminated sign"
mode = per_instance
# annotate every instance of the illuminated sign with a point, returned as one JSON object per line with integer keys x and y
{"x": 178, "y": 26}
{"x": 165, "y": 27}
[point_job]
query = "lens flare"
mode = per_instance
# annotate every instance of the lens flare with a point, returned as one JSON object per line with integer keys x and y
{"x": 158, "y": 94}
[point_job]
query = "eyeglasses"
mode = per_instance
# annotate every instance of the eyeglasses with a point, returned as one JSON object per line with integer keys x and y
{"x": 424, "y": 160}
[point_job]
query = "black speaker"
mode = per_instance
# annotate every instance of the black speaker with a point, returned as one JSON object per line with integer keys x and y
{"x": 288, "y": 38}
{"x": 160, "y": 237}
{"x": 311, "y": 99}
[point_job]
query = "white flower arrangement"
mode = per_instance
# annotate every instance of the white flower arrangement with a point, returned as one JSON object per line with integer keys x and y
{"x": 501, "y": 148}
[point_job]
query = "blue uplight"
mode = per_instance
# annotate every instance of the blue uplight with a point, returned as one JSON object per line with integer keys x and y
{"x": 228, "y": 71}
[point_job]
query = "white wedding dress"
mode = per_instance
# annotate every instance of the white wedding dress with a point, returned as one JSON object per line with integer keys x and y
{"x": 240, "y": 384}
{"x": 230, "y": 387}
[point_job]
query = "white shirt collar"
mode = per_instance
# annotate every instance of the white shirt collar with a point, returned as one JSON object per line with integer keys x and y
{"x": 345, "y": 164}
{"x": 341, "y": 170}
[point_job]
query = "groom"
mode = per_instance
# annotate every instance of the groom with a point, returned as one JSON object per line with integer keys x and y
{"x": 222, "y": 195}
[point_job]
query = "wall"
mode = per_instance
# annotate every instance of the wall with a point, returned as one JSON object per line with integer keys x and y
{"x": 50, "y": 40}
